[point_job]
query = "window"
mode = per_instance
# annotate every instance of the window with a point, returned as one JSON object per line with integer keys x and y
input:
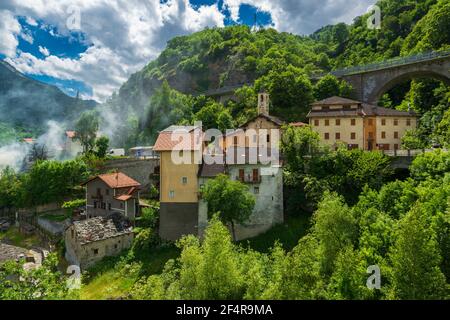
{"x": 353, "y": 135}
{"x": 327, "y": 122}
{"x": 171, "y": 194}
{"x": 256, "y": 190}
{"x": 95, "y": 204}
{"x": 95, "y": 251}
{"x": 109, "y": 206}
{"x": 115, "y": 246}
{"x": 395, "y": 146}
{"x": 383, "y": 122}
{"x": 395, "y": 135}
{"x": 73, "y": 233}
{"x": 353, "y": 122}
{"x": 327, "y": 136}
{"x": 255, "y": 175}
{"x": 241, "y": 174}
{"x": 184, "y": 180}
{"x": 104, "y": 205}
{"x": 408, "y": 122}
{"x": 338, "y": 122}
{"x": 383, "y": 135}
{"x": 338, "y": 135}
{"x": 268, "y": 138}
{"x": 395, "y": 122}
{"x": 316, "y": 123}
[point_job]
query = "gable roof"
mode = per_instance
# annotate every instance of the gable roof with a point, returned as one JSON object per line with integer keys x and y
{"x": 270, "y": 118}
{"x": 115, "y": 180}
{"x": 364, "y": 109}
{"x": 335, "y": 100}
{"x": 179, "y": 138}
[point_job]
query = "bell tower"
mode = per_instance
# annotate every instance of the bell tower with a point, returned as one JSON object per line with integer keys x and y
{"x": 263, "y": 103}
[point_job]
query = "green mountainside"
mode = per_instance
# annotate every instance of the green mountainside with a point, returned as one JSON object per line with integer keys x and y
{"x": 282, "y": 64}
{"x": 26, "y": 105}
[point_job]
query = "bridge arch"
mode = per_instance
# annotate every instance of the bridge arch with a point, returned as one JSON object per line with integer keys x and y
{"x": 441, "y": 75}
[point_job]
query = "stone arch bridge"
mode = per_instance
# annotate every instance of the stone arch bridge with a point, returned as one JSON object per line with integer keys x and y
{"x": 371, "y": 81}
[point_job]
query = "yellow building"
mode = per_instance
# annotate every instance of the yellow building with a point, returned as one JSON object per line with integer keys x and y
{"x": 360, "y": 125}
{"x": 180, "y": 156}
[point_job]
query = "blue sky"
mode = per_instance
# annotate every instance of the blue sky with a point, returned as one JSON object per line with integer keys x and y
{"x": 115, "y": 41}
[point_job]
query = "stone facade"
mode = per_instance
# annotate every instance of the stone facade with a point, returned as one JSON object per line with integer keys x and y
{"x": 89, "y": 241}
{"x": 268, "y": 192}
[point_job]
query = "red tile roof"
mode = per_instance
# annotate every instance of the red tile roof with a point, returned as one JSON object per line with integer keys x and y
{"x": 297, "y": 124}
{"x": 179, "y": 139}
{"x": 124, "y": 197}
{"x": 116, "y": 180}
{"x": 70, "y": 134}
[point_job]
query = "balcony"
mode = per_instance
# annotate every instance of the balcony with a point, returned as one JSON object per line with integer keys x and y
{"x": 249, "y": 179}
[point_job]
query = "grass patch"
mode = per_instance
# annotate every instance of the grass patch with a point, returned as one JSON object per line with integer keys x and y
{"x": 16, "y": 238}
{"x": 287, "y": 234}
{"x": 114, "y": 277}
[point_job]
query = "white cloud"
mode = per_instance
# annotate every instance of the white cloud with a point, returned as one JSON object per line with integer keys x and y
{"x": 44, "y": 51}
{"x": 304, "y": 16}
{"x": 9, "y": 30}
{"x": 127, "y": 34}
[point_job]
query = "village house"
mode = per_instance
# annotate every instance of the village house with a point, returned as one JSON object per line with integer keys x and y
{"x": 248, "y": 154}
{"x": 71, "y": 145}
{"x": 88, "y": 241}
{"x": 360, "y": 125}
{"x": 112, "y": 192}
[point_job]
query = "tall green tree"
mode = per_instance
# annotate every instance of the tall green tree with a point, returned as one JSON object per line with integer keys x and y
{"x": 415, "y": 259}
{"x": 86, "y": 130}
{"x": 230, "y": 199}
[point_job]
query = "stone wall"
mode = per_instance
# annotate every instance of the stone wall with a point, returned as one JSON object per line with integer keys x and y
{"x": 140, "y": 170}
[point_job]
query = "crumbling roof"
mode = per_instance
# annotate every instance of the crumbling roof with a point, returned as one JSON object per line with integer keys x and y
{"x": 9, "y": 252}
{"x": 116, "y": 180}
{"x": 101, "y": 228}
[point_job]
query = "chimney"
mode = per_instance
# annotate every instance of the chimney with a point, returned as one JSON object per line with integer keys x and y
{"x": 263, "y": 103}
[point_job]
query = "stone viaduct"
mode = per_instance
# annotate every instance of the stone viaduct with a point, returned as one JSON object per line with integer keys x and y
{"x": 371, "y": 81}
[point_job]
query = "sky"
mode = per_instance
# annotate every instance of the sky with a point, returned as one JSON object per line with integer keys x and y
{"x": 93, "y": 46}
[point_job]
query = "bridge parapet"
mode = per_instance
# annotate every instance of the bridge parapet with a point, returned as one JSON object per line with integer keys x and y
{"x": 400, "y": 61}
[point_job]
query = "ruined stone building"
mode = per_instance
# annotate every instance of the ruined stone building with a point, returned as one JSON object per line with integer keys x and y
{"x": 88, "y": 241}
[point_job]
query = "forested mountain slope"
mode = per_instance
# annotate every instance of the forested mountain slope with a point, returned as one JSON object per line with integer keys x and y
{"x": 26, "y": 104}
